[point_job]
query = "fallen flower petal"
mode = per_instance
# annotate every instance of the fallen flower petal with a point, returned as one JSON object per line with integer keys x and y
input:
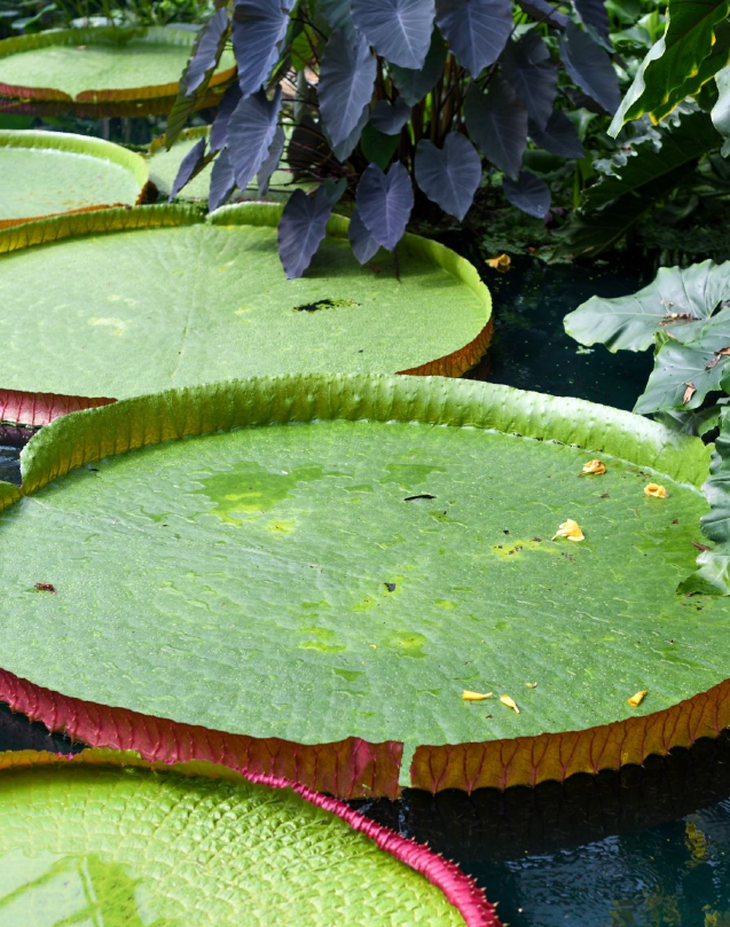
{"x": 475, "y": 696}
{"x": 637, "y": 699}
{"x": 510, "y": 703}
{"x": 501, "y": 262}
{"x": 570, "y": 530}
{"x": 595, "y": 467}
{"x": 531, "y": 685}
{"x": 654, "y": 489}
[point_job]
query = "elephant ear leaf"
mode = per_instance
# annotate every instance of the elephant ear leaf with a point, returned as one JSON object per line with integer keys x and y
{"x": 399, "y": 30}
{"x": 449, "y": 177}
{"x": 384, "y": 202}
{"x": 593, "y": 14}
{"x": 558, "y": 137}
{"x": 528, "y": 193}
{"x": 590, "y": 67}
{"x": 222, "y": 181}
{"x": 414, "y": 83}
{"x": 271, "y": 162}
{"x": 364, "y": 246}
{"x": 257, "y": 31}
{"x": 476, "y": 30}
{"x": 529, "y": 70}
{"x": 497, "y": 122}
{"x": 389, "y": 118}
{"x": 346, "y": 81}
{"x": 251, "y": 130}
{"x": 193, "y": 162}
{"x": 303, "y": 225}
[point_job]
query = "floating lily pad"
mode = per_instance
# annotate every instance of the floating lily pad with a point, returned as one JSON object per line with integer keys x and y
{"x": 351, "y": 576}
{"x": 105, "y": 838}
{"x": 161, "y": 297}
{"x": 46, "y": 173}
{"x": 102, "y": 71}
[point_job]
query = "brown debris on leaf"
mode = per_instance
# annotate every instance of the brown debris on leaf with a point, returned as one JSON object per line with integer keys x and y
{"x": 688, "y": 393}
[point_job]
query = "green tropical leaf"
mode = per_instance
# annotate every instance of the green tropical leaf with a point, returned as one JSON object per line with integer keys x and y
{"x": 352, "y": 575}
{"x": 162, "y": 296}
{"x": 200, "y": 845}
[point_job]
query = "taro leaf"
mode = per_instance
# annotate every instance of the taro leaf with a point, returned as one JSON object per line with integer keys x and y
{"x": 206, "y": 53}
{"x": 346, "y": 80}
{"x": 593, "y": 13}
{"x": 267, "y": 527}
{"x": 384, "y": 202}
{"x": 344, "y": 149}
{"x": 476, "y": 30}
{"x": 399, "y": 30}
{"x": 46, "y": 173}
{"x": 590, "y": 67}
{"x": 303, "y": 226}
{"x": 686, "y": 371}
{"x": 199, "y": 844}
{"x": 528, "y": 193}
{"x": 251, "y": 130}
{"x": 414, "y": 84}
{"x": 193, "y": 162}
{"x": 257, "y": 30}
{"x": 219, "y": 129}
{"x": 531, "y": 73}
{"x": 497, "y": 122}
{"x": 377, "y": 147}
{"x": 670, "y": 303}
{"x": 222, "y": 181}
{"x": 338, "y": 16}
{"x": 271, "y": 163}
{"x": 389, "y": 118}
{"x": 688, "y": 40}
{"x": 450, "y": 176}
{"x": 364, "y": 246}
{"x": 559, "y": 136}
{"x": 222, "y": 306}
{"x": 544, "y": 12}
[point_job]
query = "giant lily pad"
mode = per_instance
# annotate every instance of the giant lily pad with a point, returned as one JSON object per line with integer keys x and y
{"x": 45, "y": 173}
{"x": 106, "y": 838}
{"x": 102, "y": 71}
{"x": 161, "y": 297}
{"x": 351, "y": 576}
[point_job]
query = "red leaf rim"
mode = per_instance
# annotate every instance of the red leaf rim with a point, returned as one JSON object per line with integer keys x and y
{"x": 18, "y": 407}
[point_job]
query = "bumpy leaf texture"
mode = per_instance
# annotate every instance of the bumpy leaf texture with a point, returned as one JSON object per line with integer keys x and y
{"x": 190, "y": 165}
{"x": 346, "y": 81}
{"x": 303, "y": 225}
{"x": 528, "y": 193}
{"x": 590, "y": 67}
{"x": 364, "y": 246}
{"x": 497, "y": 122}
{"x": 450, "y": 176}
{"x": 558, "y": 137}
{"x": 476, "y": 30}
{"x": 399, "y": 30}
{"x": 258, "y": 28}
{"x": 251, "y": 130}
{"x": 414, "y": 83}
{"x": 389, "y": 118}
{"x": 528, "y": 68}
{"x": 384, "y": 202}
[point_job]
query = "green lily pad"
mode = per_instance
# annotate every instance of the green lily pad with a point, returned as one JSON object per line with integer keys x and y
{"x": 106, "y": 838}
{"x": 161, "y": 297}
{"x": 353, "y": 575}
{"x": 45, "y": 173}
{"x": 104, "y": 70}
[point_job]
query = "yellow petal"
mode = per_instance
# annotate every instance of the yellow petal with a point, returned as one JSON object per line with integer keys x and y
{"x": 637, "y": 699}
{"x": 501, "y": 262}
{"x": 509, "y": 702}
{"x": 596, "y": 467}
{"x": 475, "y": 696}
{"x": 570, "y": 530}
{"x": 654, "y": 489}
{"x": 531, "y": 685}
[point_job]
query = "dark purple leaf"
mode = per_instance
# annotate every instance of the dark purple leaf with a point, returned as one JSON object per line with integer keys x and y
{"x": 219, "y": 129}
{"x": 302, "y": 227}
{"x": 413, "y": 85}
{"x": 544, "y": 12}
{"x": 449, "y": 177}
{"x": 346, "y": 81}
{"x": 343, "y": 151}
{"x": 384, "y": 202}
{"x": 528, "y": 68}
{"x": 559, "y": 136}
{"x": 338, "y": 16}
{"x": 497, "y": 122}
{"x": 389, "y": 118}
{"x": 258, "y": 28}
{"x": 476, "y": 30}
{"x": 190, "y": 165}
{"x": 593, "y": 13}
{"x": 222, "y": 181}
{"x": 307, "y": 150}
{"x": 271, "y": 161}
{"x": 528, "y": 193}
{"x": 399, "y": 30}
{"x": 590, "y": 67}
{"x": 250, "y": 133}
{"x": 209, "y": 44}
{"x": 364, "y": 246}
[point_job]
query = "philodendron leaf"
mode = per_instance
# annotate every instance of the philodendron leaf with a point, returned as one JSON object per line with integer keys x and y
{"x": 676, "y": 302}
{"x": 558, "y": 137}
{"x": 528, "y": 68}
{"x": 193, "y": 162}
{"x": 590, "y": 67}
{"x": 303, "y": 225}
{"x": 364, "y": 246}
{"x": 346, "y": 81}
{"x": 497, "y": 122}
{"x": 251, "y": 130}
{"x": 259, "y": 527}
{"x": 450, "y": 176}
{"x": 476, "y": 30}
{"x": 389, "y": 118}
{"x": 202, "y": 845}
{"x": 257, "y": 29}
{"x": 384, "y": 202}
{"x": 593, "y": 13}
{"x": 399, "y": 30}
{"x": 414, "y": 83}
{"x": 528, "y": 193}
